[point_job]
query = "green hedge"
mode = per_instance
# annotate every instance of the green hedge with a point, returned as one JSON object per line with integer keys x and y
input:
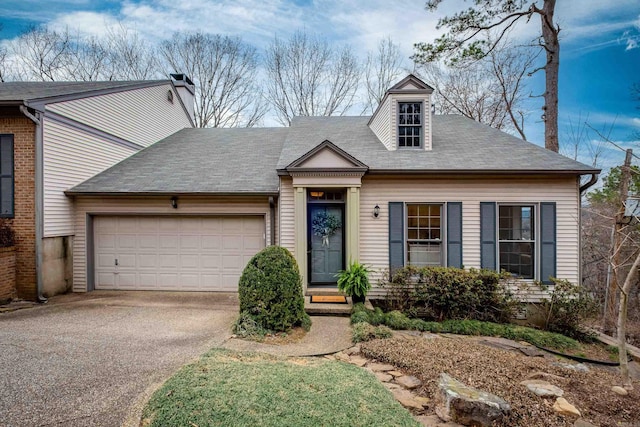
{"x": 270, "y": 291}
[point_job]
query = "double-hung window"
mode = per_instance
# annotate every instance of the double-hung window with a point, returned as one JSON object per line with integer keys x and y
{"x": 409, "y": 124}
{"x": 424, "y": 235}
{"x": 516, "y": 239}
{"x": 6, "y": 176}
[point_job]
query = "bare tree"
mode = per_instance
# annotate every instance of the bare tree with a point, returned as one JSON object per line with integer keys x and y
{"x": 130, "y": 56}
{"x": 224, "y": 71}
{"x": 89, "y": 60}
{"x": 41, "y": 54}
{"x": 307, "y": 77}
{"x": 382, "y": 68}
{"x": 491, "y": 90}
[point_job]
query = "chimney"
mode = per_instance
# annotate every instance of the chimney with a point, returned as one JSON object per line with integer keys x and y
{"x": 186, "y": 90}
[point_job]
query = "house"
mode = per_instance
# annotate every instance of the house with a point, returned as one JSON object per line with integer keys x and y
{"x": 403, "y": 186}
{"x": 55, "y": 135}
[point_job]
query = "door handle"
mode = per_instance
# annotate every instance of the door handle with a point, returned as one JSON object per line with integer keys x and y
{"x": 116, "y": 261}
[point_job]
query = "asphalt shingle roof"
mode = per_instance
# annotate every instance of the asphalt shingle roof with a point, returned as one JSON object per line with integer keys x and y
{"x": 247, "y": 160}
{"x": 198, "y": 161}
{"x": 26, "y": 91}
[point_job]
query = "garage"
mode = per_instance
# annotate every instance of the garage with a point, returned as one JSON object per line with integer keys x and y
{"x": 174, "y": 253}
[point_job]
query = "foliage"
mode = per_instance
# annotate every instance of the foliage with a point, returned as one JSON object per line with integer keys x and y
{"x": 566, "y": 308}
{"x": 439, "y": 293}
{"x": 610, "y": 190}
{"x": 354, "y": 281}
{"x": 270, "y": 291}
{"x": 225, "y": 388}
{"x": 364, "y": 331}
{"x": 397, "y": 320}
{"x": 474, "y": 33}
{"x": 246, "y": 327}
{"x": 325, "y": 224}
{"x": 7, "y": 235}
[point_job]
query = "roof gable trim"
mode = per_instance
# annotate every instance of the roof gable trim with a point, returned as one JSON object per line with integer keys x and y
{"x": 327, "y": 147}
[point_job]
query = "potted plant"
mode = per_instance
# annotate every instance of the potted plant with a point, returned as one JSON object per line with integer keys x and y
{"x": 354, "y": 281}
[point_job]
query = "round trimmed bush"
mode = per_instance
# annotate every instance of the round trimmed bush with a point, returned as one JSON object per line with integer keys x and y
{"x": 270, "y": 291}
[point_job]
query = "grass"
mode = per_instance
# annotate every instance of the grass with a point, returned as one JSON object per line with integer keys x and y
{"x": 397, "y": 320}
{"x": 227, "y": 388}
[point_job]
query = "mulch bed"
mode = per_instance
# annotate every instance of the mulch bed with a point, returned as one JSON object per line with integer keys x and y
{"x": 500, "y": 372}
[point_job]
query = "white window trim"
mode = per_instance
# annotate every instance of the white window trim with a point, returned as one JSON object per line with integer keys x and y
{"x": 443, "y": 230}
{"x": 536, "y": 225}
{"x": 422, "y": 125}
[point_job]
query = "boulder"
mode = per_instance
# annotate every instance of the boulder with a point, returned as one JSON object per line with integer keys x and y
{"x": 565, "y": 408}
{"x": 542, "y": 388}
{"x": 468, "y": 406}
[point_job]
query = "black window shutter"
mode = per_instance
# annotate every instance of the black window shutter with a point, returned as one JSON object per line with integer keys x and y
{"x": 396, "y": 236}
{"x": 6, "y": 176}
{"x": 454, "y": 234}
{"x": 547, "y": 241}
{"x": 488, "y": 235}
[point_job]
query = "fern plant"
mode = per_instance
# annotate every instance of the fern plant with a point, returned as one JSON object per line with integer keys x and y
{"x": 354, "y": 281}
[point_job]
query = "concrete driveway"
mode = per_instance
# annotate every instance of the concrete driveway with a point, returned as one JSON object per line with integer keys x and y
{"x": 93, "y": 359}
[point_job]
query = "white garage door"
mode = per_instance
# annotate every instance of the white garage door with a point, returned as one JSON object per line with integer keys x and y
{"x": 174, "y": 253}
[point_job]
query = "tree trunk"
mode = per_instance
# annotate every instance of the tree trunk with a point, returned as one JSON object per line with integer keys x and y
{"x": 622, "y": 323}
{"x": 552, "y": 47}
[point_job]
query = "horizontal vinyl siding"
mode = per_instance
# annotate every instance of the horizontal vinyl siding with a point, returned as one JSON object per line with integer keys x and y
{"x": 374, "y": 233}
{"x": 71, "y": 157}
{"x": 142, "y": 116}
{"x": 153, "y": 206}
{"x": 381, "y": 124}
{"x": 287, "y": 214}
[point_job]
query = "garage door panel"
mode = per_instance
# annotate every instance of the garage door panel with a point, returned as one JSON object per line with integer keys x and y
{"x": 174, "y": 253}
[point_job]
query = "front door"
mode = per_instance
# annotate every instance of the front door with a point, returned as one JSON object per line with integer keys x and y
{"x": 326, "y": 241}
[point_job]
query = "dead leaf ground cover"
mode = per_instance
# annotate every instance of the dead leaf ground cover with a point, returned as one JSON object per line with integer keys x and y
{"x": 500, "y": 372}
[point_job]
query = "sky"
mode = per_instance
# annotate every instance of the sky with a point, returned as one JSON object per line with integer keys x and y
{"x": 599, "y": 61}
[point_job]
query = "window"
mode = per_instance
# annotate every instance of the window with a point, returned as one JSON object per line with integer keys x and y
{"x": 409, "y": 124}
{"x": 516, "y": 235}
{"x": 6, "y": 176}
{"x": 424, "y": 235}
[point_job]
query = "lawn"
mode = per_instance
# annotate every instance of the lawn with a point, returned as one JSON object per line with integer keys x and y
{"x": 227, "y": 388}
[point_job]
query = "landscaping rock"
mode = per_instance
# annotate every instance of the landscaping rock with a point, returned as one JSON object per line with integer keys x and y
{"x": 353, "y": 350}
{"x": 580, "y": 367}
{"x": 545, "y": 376}
{"x": 565, "y": 408}
{"x": 358, "y": 361}
{"x": 407, "y": 399}
{"x": 531, "y": 351}
{"x": 469, "y": 406}
{"x": 542, "y": 388}
{"x": 380, "y": 367}
{"x": 619, "y": 390}
{"x": 395, "y": 373}
{"x": 583, "y": 423}
{"x": 408, "y": 381}
{"x": 341, "y": 357}
{"x": 435, "y": 421}
{"x": 381, "y": 376}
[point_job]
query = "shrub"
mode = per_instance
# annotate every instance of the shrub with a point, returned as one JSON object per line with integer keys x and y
{"x": 359, "y": 317}
{"x": 7, "y": 235}
{"x": 365, "y": 332}
{"x": 247, "y": 327}
{"x": 440, "y": 293}
{"x": 397, "y": 320}
{"x": 354, "y": 281}
{"x": 270, "y": 291}
{"x": 566, "y": 308}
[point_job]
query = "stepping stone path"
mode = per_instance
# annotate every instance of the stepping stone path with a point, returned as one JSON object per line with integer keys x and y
{"x": 402, "y": 386}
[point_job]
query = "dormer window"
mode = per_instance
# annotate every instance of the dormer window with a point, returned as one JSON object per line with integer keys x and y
{"x": 410, "y": 124}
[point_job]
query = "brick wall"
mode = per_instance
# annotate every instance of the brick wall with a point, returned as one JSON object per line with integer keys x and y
{"x": 7, "y": 274}
{"x": 24, "y": 222}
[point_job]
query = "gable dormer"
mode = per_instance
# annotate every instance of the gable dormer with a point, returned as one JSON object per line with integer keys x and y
{"x": 402, "y": 121}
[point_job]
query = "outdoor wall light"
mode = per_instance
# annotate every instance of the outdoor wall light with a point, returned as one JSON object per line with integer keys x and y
{"x": 174, "y": 202}
{"x": 376, "y": 211}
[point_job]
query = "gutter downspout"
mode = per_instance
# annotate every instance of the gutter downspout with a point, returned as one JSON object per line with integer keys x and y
{"x": 39, "y": 199}
{"x": 272, "y": 220}
{"x": 592, "y": 181}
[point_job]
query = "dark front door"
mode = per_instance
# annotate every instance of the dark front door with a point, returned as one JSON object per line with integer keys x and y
{"x": 326, "y": 241}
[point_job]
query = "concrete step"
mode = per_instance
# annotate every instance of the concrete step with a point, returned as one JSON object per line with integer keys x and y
{"x": 330, "y": 309}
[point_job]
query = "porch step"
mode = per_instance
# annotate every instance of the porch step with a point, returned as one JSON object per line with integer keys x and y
{"x": 330, "y": 309}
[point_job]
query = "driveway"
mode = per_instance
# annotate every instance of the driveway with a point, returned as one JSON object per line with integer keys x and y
{"x": 93, "y": 359}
